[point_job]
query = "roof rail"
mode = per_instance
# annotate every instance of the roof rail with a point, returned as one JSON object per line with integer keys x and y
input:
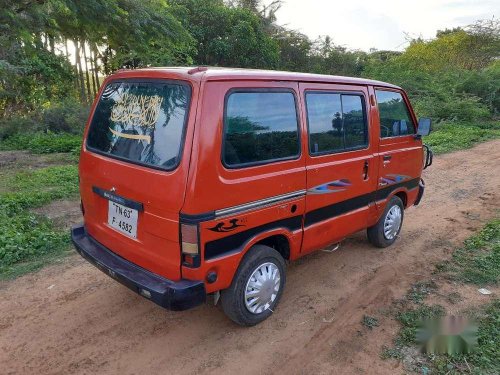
{"x": 198, "y": 69}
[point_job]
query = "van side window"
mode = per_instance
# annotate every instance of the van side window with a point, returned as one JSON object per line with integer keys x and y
{"x": 337, "y": 122}
{"x": 260, "y": 127}
{"x": 395, "y": 119}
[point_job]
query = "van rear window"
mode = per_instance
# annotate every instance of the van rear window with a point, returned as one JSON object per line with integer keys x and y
{"x": 141, "y": 121}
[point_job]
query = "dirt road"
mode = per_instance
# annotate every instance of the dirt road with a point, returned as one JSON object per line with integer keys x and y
{"x": 71, "y": 318}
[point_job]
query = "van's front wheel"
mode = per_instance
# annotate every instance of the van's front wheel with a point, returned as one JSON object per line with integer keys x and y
{"x": 387, "y": 229}
{"x": 256, "y": 287}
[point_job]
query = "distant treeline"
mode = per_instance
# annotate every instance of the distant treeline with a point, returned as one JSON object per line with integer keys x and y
{"x": 54, "y": 54}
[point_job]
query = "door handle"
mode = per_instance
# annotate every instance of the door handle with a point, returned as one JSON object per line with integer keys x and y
{"x": 387, "y": 157}
{"x": 365, "y": 170}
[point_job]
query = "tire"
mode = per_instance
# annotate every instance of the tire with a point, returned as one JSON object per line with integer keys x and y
{"x": 233, "y": 298}
{"x": 376, "y": 234}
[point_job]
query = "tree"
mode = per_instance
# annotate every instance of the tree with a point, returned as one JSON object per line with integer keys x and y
{"x": 328, "y": 58}
{"x": 31, "y": 74}
{"x": 227, "y": 36}
{"x": 295, "y": 50}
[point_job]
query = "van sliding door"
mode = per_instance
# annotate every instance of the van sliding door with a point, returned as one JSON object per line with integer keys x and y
{"x": 340, "y": 163}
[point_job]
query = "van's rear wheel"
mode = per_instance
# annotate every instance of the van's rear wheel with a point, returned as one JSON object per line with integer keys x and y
{"x": 256, "y": 287}
{"x": 387, "y": 229}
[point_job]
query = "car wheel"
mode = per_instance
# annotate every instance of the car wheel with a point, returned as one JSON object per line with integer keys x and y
{"x": 256, "y": 288}
{"x": 387, "y": 229}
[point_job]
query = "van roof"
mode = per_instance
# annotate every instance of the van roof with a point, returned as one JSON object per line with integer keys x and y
{"x": 224, "y": 74}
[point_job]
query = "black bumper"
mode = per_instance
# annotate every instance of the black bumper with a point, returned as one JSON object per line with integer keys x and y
{"x": 172, "y": 295}
{"x": 421, "y": 188}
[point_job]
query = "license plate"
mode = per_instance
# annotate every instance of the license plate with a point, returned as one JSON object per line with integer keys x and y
{"x": 123, "y": 219}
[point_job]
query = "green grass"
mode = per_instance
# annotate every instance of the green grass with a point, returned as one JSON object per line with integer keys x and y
{"x": 476, "y": 262}
{"x": 33, "y": 188}
{"x": 419, "y": 291}
{"x": 26, "y": 236}
{"x": 485, "y": 358}
{"x": 410, "y": 321}
{"x": 452, "y": 136}
{"x": 370, "y": 321}
{"x": 43, "y": 143}
{"x": 34, "y": 264}
{"x": 28, "y": 240}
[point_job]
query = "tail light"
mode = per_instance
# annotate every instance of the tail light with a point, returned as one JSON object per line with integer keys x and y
{"x": 190, "y": 245}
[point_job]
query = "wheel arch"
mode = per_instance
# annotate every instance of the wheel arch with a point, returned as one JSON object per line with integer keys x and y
{"x": 403, "y": 195}
{"x": 281, "y": 239}
{"x": 278, "y": 239}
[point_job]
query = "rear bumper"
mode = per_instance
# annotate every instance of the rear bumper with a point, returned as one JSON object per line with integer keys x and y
{"x": 172, "y": 295}
{"x": 421, "y": 188}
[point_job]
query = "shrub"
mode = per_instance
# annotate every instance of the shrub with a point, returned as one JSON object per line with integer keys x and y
{"x": 25, "y": 236}
{"x": 43, "y": 143}
{"x": 451, "y": 107}
{"x": 68, "y": 116}
{"x": 16, "y": 125}
{"x": 451, "y": 136}
{"x": 484, "y": 84}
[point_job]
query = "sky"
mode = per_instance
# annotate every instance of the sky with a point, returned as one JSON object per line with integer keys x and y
{"x": 381, "y": 24}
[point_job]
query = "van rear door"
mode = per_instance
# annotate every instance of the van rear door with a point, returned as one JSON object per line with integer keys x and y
{"x": 133, "y": 170}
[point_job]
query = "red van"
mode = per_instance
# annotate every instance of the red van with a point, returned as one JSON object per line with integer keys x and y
{"x": 198, "y": 181}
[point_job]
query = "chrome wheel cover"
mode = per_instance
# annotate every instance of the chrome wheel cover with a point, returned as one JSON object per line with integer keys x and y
{"x": 392, "y": 222}
{"x": 262, "y": 288}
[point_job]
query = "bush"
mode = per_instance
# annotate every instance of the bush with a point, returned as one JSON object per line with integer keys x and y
{"x": 43, "y": 143}
{"x": 26, "y": 236}
{"x": 451, "y": 136}
{"x": 484, "y": 84}
{"x": 68, "y": 116}
{"x": 16, "y": 125}
{"x": 451, "y": 107}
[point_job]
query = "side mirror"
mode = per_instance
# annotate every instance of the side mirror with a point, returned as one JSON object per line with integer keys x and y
{"x": 424, "y": 126}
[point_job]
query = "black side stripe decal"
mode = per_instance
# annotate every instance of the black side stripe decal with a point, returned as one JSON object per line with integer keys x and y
{"x": 235, "y": 243}
{"x": 340, "y": 208}
{"x": 337, "y": 209}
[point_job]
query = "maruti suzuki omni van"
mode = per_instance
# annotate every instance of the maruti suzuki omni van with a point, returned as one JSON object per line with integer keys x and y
{"x": 205, "y": 181}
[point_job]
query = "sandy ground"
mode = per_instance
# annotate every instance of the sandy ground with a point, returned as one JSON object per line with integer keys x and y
{"x": 73, "y": 319}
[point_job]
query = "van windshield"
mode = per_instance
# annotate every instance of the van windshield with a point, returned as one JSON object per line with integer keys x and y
{"x": 141, "y": 121}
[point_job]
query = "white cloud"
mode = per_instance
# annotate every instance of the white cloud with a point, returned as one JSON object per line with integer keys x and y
{"x": 381, "y": 24}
